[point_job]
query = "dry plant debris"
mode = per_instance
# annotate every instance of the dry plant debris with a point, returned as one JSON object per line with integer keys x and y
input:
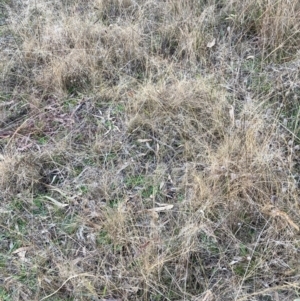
{"x": 149, "y": 150}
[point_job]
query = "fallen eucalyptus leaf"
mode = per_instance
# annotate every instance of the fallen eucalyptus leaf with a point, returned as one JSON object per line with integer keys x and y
{"x": 158, "y": 209}
{"x": 55, "y": 202}
{"x": 212, "y": 43}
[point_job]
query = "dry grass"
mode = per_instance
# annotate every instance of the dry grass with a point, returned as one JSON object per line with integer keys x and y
{"x": 149, "y": 150}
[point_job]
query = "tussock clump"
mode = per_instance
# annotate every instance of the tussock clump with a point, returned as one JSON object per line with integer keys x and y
{"x": 19, "y": 172}
{"x": 178, "y": 30}
{"x": 182, "y": 115}
{"x": 124, "y": 51}
{"x": 116, "y": 10}
{"x": 69, "y": 54}
{"x": 273, "y": 24}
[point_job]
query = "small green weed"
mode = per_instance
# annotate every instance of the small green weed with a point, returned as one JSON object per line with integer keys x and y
{"x": 257, "y": 81}
{"x": 114, "y": 203}
{"x": 69, "y": 224}
{"x": 150, "y": 191}
{"x": 294, "y": 123}
{"x": 120, "y": 108}
{"x": 109, "y": 125}
{"x": 209, "y": 244}
{"x": 4, "y": 295}
{"x": 16, "y": 205}
{"x": 135, "y": 181}
{"x": 109, "y": 157}
{"x": 3, "y": 258}
{"x": 39, "y": 206}
{"x": 43, "y": 140}
{"x": 103, "y": 238}
{"x": 5, "y": 96}
{"x": 243, "y": 250}
{"x": 14, "y": 244}
{"x": 21, "y": 225}
{"x": 78, "y": 169}
{"x": 28, "y": 277}
{"x": 84, "y": 189}
{"x": 70, "y": 103}
{"x": 239, "y": 269}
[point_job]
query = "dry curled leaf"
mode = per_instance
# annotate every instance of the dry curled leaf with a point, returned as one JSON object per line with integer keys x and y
{"x": 164, "y": 208}
{"x": 21, "y": 252}
{"x": 283, "y": 215}
{"x": 231, "y": 114}
{"x": 55, "y": 202}
{"x": 212, "y": 43}
{"x": 274, "y": 212}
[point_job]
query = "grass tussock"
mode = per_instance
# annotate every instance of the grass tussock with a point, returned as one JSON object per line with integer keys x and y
{"x": 149, "y": 150}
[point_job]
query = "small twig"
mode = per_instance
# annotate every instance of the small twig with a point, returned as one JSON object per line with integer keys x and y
{"x": 78, "y": 107}
{"x": 16, "y": 131}
{"x": 5, "y": 104}
{"x": 79, "y": 275}
{"x": 159, "y": 142}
